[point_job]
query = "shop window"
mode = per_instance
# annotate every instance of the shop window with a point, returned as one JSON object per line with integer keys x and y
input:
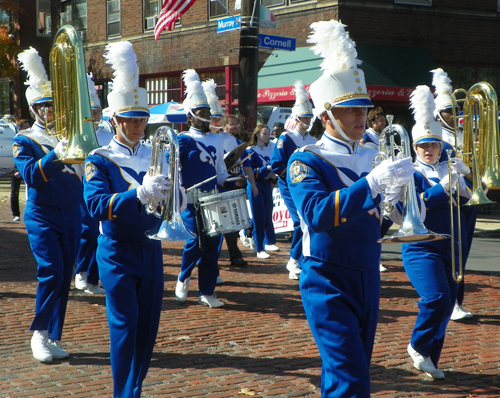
{"x": 114, "y": 24}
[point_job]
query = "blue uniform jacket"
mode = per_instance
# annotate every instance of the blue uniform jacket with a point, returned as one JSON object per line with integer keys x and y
{"x": 339, "y": 217}
{"x": 112, "y": 175}
{"x": 49, "y": 182}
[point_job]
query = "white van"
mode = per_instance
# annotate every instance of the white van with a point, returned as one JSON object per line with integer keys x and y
{"x": 7, "y": 133}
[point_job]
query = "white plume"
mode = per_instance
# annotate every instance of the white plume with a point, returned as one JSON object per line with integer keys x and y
{"x": 334, "y": 45}
{"x": 192, "y": 82}
{"x": 31, "y": 62}
{"x": 123, "y": 60}
{"x": 301, "y": 95}
{"x": 209, "y": 87}
{"x": 441, "y": 82}
{"x": 422, "y": 103}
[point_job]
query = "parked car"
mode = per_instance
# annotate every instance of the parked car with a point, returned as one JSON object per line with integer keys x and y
{"x": 7, "y": 133}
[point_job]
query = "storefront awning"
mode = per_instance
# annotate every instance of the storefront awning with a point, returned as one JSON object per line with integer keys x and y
{"x": 391, "y": 73}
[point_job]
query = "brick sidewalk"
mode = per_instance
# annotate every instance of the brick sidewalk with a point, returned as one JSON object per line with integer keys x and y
{"x": 258, "y": 345}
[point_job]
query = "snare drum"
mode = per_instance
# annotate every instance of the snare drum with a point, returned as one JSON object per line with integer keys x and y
{"x": 225, "y": 212}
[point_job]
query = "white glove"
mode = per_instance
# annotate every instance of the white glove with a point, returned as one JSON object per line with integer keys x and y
{"x": 60, "y": 148}
{"x": 153, "y": 188}
{"x": 459, "y": 166}
{"x": 445, "y": 181}
{"x": 390, "y": 173}
{"x": 394, "y": 194}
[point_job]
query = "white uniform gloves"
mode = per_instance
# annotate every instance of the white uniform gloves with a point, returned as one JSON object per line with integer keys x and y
{"x": 153, "y": 188}
{"x": 390, "y": 174}
{"x": 459, "y": 166}
{"x": 445, "y": 181}
{"x": 60, "y": 148}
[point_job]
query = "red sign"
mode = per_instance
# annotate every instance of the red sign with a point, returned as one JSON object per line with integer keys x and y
{"x": 377, "y": 93}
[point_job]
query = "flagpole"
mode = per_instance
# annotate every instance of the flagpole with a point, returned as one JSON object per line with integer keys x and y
{"x": 249, "y": 67}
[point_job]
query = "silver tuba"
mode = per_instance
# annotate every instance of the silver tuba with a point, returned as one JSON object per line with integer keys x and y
{"x": 412, "y": 229}
{"x": 171, "y": 228}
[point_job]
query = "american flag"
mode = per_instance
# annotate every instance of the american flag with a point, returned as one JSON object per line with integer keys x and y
{"x": 171, "y": 10}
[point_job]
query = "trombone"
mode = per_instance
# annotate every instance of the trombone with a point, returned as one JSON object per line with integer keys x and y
{"x": 412, "y": 229}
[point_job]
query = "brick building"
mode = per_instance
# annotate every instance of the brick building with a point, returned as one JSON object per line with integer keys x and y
{"x": 398, "y": 40}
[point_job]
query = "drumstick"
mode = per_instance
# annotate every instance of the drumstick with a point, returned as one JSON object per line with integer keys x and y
{"x": 201, "y": 183}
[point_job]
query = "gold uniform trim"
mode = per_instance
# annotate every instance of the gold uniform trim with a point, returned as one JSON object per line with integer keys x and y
{"x": 41, "y": 170}
{"x": 132, "y": 108}
{"x": 337, "y": 208}
{"x": 349, "y": 96}
{"x": 110, "y": 209}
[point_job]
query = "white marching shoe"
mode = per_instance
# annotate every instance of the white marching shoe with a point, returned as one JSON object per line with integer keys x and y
{"x": 94, "y": 289}
{"x": 81, "y": 280}
{"x": 56, "y": 350}
{"x": 181, "y": 289}
{"x": 244, "y": 240}
{"x": 382, "y": 268}
{"x": 40, "y": 346}
{"x": 459, "y": 313}
{"x": 271, "y": 248}
{"x": 293, "y": 269}
{"x": 211, "y": 301}
{"x": 263, "y": 255}
{"x": 424, "y": 364}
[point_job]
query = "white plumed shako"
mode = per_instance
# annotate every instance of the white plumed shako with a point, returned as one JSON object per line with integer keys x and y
{"x": 444, "y": 90}
{"x": 209, "y": 87}
{"x": 195, "y": 96}
{"x": 39, "y": 89}
{"x": 302, "y": 106}
{"x": 126, "y": 99}
{"x": 426, "y": 129}
{"x": 342, "y": 83}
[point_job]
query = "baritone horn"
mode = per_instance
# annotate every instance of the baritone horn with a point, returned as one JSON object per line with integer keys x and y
{"x": 412, "y": 229}
{"x": 72, "y": 113}
{"x": 172, "y": 227}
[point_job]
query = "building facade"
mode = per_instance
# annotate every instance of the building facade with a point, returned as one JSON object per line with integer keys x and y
{"x": 399, "y": 40}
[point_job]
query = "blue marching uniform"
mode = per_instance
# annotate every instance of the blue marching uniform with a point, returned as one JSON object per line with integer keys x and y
{"x": 340, "y": 279}
{"x": 201, "y": 157}
{"x": 428, "y": 264}
{"x": 286, "y": 145}
{"x": 130, "y": 264}
{"x": 262, "y": 204}
{"x": 86, "y": 257}
{"x": 53, "y": 222}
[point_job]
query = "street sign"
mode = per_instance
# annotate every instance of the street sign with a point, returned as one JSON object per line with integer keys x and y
{"x": 229, "y": 23}
{"x": 277, "y": 42}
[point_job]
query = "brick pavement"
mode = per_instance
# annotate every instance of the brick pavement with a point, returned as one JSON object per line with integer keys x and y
{"x": 257, "y": 345}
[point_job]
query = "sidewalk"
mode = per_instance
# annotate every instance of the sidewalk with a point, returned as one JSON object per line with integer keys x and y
{"x": 258, "y": 345}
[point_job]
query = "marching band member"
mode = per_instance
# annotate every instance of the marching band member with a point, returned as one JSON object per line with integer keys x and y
{"x": 262, "y": 204}
{"x": 86, "y": 272}
{"x": 337, "y": 194}
{"x": 229, "y": 143}
{"x": 116, "y": 188}
{"x": 288, "y": 143}
{"x": 444, "y": 115}
{"x": 51, "y": 216}
{"x": 201, "y": 157}
{"x": 428, "y": 264}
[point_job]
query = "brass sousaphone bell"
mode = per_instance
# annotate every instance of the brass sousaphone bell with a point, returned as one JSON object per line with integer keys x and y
{"x": 72, "y": 112}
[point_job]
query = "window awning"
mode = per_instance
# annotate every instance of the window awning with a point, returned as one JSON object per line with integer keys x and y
{"x": 391, "y": 73}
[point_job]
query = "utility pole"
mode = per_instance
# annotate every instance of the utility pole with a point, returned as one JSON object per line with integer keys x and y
{"x": 249, "y": 67}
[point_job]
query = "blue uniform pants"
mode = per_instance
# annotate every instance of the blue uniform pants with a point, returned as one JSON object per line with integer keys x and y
{"x": 296, "y": 244}
{"x": 207, "y": 259}
{"x": 341, "y": 306}
{"x": 262, "y": 215}
{"x": 86, "y": 258}
{"x": 430, "y": 275}
{"x": 132, "y": 276}
{"x": 54, "y": 235}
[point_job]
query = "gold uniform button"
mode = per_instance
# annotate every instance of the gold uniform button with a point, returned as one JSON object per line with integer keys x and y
{"x": 114, "y": 216}
{"x": 357, "y": 80}
{"x": 343, "y": 219}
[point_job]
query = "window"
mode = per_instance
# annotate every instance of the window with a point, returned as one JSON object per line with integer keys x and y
{"x": 164, "y": 89}
{"x": 43, "y": 22}
{"x": 5, "y": 19}
{"x": 217, "y": 8}
{"x": 219, "y": 78}
{"x": 414, "y": 2}
{"x": 277, "y": 3}
{"x": 74, "y": 12}
{"x": 114, "y": 24}
{"x": 152, "y": 9}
